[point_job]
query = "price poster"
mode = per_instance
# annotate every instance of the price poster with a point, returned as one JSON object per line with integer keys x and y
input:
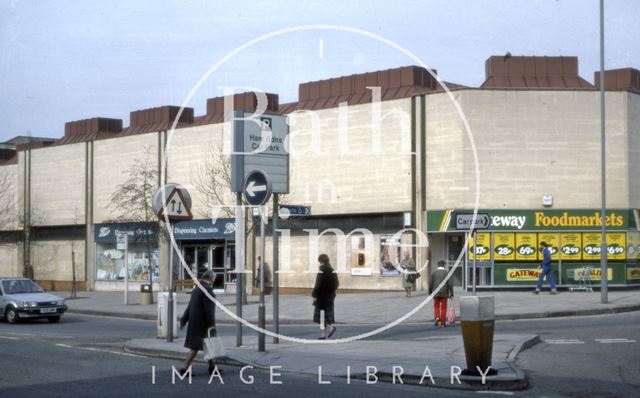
{"x": 552, "y": 242}
{"x": 591, "y": 246}
{"x": 526, "y": 247}
{"x": 616, "y": 246}
{"x": 504, "y": 246}
{"x": 571, "y": 246}
{"x": 480, "y": 248}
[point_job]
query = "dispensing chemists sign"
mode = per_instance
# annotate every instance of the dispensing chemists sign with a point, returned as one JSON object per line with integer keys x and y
{"x": 260, "y": 143}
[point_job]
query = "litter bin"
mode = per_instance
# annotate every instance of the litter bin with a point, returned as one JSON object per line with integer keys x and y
{"x": 146, "y": 296}
{"x": 477, "y": 322}
{"x": 163, "y": 324}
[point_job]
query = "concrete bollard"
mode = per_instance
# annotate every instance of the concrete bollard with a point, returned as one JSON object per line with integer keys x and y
{"x": 477, "y": 323}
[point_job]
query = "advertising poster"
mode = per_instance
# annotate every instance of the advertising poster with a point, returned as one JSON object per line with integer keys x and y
{"x": 616, "y": 246}
{"x": 390, "y": 256}
{"x": 360, "y": 255}
{"x": 591, "y": 246}
{"x": 594, "y": 275}
{"x": 504, "y": 246}
{"x": 552, "y": 240}
{"x": 571, "y": 246}
{"x": 633, "y": 275}
{"x": 526, "y": 247}
{"x": 633, "y": 245}
{"x": 482, "y": 248}
{"x": 522, "y": 275}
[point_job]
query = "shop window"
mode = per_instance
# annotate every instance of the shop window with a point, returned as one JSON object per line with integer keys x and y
{"x": 142, "y": 260}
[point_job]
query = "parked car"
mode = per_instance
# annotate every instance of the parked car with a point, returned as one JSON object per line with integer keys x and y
{"x": 22, "y": 298}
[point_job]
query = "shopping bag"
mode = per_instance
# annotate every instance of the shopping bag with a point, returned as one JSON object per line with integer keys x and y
{"x": 451, "y": 314}
{"x": 213, "y": 347}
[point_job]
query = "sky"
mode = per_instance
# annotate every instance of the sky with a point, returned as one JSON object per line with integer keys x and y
{"x": 68, "y": 60}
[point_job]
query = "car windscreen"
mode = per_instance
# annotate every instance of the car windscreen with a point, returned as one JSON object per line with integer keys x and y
{"x": 20, "y": 286}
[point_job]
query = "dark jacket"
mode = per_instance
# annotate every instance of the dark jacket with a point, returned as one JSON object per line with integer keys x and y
{"x": 437, "y": 276}
{"x": 324, "y": 291}
{"x": 201, "y": 315}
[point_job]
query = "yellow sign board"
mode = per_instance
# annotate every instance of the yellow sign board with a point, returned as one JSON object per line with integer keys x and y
{"x": 571, "y": 246}
{"x": 504, "y": 246}
{"x": 526, "y": 246}
{"x": 591, "y": 246}
{"x": 616, "y": 245}
{"x": 482, "y": 249}
{"x": 594, "y": 275}
{"x": 552, "y": 242}
{"x": 522, "y": 274}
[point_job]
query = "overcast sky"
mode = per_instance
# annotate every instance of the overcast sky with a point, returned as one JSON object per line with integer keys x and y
{"x": 67, "y": 60}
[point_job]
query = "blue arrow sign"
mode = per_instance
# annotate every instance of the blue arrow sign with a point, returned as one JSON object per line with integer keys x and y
{"x": 257, "y": 188}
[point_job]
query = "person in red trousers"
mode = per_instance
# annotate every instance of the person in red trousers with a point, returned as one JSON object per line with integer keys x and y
{"x": 442, "y": 293}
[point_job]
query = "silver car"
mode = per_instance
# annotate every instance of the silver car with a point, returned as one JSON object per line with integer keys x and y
{"x": 22, "y": 298}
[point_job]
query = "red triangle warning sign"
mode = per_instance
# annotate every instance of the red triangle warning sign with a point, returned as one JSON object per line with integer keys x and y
{"x": 175, "y": 207}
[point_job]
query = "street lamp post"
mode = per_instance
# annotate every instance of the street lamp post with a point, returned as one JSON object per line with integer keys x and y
{"x": 603, "y": 210}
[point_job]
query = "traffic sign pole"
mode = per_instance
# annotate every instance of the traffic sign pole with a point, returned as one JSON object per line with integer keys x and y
{"x": 261, "y": 307}
{"x": 170, "y": 314}
{"x": 276, "y": 280}
{"x": 240, "y": 239}
{"x": 475, "y": 254}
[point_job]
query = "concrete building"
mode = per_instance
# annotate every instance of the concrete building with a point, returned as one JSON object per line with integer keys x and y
{"x": 383, "y": 157}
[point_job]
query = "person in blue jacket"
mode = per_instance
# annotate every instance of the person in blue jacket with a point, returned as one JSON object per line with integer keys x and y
{"x": 546, "y": 269}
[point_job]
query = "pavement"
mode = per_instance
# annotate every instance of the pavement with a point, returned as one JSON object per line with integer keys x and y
{"x": 415, "y": 359}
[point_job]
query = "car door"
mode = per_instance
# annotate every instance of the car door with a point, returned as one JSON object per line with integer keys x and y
{"x": 2, "y": 301}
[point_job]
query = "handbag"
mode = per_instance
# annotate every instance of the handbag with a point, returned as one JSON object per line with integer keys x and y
{"x": 213, "y": 347}
{"x": 451, "y": 314}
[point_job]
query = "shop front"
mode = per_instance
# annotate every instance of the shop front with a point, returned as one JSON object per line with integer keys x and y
{"x": 142, "y": 252}
{"x": 508, "y": 255}
{"x": 206, "y": 245}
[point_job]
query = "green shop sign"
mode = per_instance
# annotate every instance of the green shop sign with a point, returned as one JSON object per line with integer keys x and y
{"x": 538, "y": 220}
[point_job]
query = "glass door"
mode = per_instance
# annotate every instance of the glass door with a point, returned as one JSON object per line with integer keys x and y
{"x": 197, "y": 258}
{"x": 218, "y": 265}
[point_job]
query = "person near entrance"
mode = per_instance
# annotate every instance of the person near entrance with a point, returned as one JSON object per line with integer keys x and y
{"x": 267, "y": 276}
{"x": 408, "y": 273}
{"x": 200, "y": 315}
{"x": 438, "y": 276}
{"x": 546, "y": 270}
{"x": 324, "y": 295}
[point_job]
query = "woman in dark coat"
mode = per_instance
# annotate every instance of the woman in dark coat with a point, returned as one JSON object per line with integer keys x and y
{"x": 324, "y": 294}
{"x": 200, "y": 314}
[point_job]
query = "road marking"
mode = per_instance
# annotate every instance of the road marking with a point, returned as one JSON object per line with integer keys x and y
{"x": 564, "y": 342}
{"x": 9, "y": 338}
{"x": 614, "y": 341}
{"x": 126, "y": 354}
{"x": 496, "y": 392}
{"x": 18, "y": 334}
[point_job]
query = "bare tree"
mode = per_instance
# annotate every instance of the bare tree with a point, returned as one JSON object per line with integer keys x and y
{"x": 8, "y": 203}
{"x": 213, "y": 179}
{"x": 132, "y": 200}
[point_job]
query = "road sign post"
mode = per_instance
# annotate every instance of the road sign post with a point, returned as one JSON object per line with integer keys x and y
{"x": 472, "y": 222}
{"x": 171, "y": 202}
{"x": 123, "y": 244}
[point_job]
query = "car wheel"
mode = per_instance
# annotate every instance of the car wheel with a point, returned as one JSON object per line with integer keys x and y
{"x": 11, "y": 315}
{"x": 54, "y": 319}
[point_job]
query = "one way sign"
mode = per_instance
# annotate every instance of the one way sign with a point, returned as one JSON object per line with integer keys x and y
{"x": 176, "y": 207}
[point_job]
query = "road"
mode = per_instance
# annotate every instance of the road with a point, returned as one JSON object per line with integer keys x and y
{"x": 82, "y": 356}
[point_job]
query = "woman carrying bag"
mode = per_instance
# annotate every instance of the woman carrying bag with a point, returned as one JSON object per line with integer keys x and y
{"x": 324, "y": 294}
{"x": 200, "y": 315}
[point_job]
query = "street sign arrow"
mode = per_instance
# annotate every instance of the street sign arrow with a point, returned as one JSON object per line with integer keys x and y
{"x": 257, "y": 188}
{"x": 252, "y": 188}
{"x": 467, "y": 222}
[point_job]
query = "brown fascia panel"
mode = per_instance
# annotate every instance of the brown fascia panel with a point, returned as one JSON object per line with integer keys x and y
{"x": 334, "y": 87}
{"x": 383, "y": 80}
{"x": 34, "y": 145}
{"x": 496, "y": 66}
{"x": 371, "y": 80}
{"x": 314, "y": 90}
{"x": 619, "y": 79}
{"x": 540, "y": 66}
{"x": 92, "y": 126}
{"x": 529, "y": 67}
{"x": 303, "y": 92}
{"x": 6, "y": 154}
{"x": 570, "y": 66}
{"x": 246, "y": 102}
{"x": 407, "y": 76}
{"x": 515, "y": 67}
{"x": 359, "y": 84}
{"x": 161, "y": 116}
{"x": 346, "y": 85}
{"x": 395, "y": 80}
{"x": 325, "y": 88}
{"x": 554, "y": 67}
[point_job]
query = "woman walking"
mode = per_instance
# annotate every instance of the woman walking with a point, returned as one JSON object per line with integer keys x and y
{"x": 324, "y": 294}
{"x": 408, "y": 273}
{"x": 200, "y": 314}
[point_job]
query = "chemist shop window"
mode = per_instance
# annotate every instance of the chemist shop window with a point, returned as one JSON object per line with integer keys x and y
{"x": 142, "y": 260}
